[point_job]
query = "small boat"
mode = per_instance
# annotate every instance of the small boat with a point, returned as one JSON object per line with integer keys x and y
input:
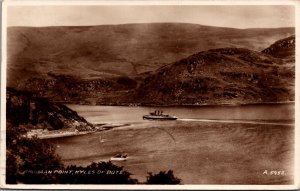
{"x": 119, "y": 157}
{"x": 158, "y": 115}
{"x": 101, "y": 140}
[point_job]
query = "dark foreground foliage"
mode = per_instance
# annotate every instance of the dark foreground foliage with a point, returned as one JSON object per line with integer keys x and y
{"x": 33, "y": 161}
{"x": 23, "y": 108}
{"x": 24, "y": 154}
{"x": 162, "y": 178}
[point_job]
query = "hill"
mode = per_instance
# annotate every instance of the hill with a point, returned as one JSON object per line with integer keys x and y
{"x": 284, "y": 48}
{"x": 218, "y": 76}
{"x": 22, "y": 108}
{"x": 109, "y": 51}
{"x": 112, "y": 64}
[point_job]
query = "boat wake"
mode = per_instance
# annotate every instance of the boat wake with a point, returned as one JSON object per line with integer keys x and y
{"x": 237, "y": 121}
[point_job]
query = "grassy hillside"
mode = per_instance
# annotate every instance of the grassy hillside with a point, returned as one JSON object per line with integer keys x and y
{"x": 283, "y": 48}
{"x": 97, "y": 52}
{"x": 120, "y": 64}
{"x": 227, "y": 75}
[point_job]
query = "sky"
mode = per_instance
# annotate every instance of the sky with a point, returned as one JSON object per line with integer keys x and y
{"x": 238, "y": 16}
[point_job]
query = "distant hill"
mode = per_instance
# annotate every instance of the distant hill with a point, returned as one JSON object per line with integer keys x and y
{"x": 227, "y": 75}
{"x": 120, "y": 64}
{"x": 284, "y": 48}
{"x": 108, "y": 51}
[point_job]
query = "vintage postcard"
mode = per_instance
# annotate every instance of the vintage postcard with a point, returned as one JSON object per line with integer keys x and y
{"x": 150, "y": 95}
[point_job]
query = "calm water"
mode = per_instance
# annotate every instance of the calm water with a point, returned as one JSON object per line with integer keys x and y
{"x": 124, "y": 114}
{"x": 207, "y": 145}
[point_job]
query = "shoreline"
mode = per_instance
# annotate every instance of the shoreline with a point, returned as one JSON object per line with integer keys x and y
{"x": 60, "y": 134}
{"x": 184, "y": 105}
{"x": 72, "y": 133}
{"x": 110, "y": 126}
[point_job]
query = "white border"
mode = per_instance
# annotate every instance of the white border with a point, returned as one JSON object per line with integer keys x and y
{"x": 7, "y": 3}
{"x": 3, "y": 99}
{"x": 149, "y": 2}
{"x": 297, "y": 99}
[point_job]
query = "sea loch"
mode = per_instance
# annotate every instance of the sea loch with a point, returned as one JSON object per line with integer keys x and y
{"x": 206, "y": 145}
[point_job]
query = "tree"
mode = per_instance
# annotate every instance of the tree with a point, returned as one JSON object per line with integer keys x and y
{"x": 162, "y": 177}
{"x": 25, "y": 156}
{"x": 33, "y": 161}
{"x": 27, "y": 160}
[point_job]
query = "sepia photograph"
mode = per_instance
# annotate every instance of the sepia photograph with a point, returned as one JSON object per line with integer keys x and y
{"x": 148, "y": 93}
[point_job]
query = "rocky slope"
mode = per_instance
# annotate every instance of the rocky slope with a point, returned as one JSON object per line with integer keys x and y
{"x": 69, "y": 89}
{"x": 35, "y": 113}
{"x": 227, "y": 75}
{"x": 284, "y": 49}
